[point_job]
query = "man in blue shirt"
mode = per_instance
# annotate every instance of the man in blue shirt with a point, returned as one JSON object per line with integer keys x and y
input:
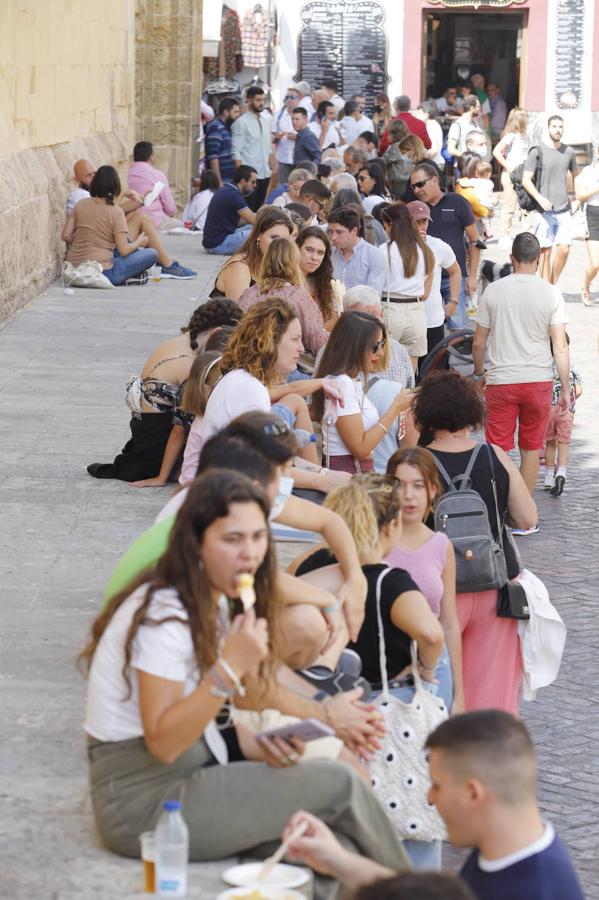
{"x": 354, "y": 260}
{"x": 218, "y": 142}
{"x": 307, "y": 145}
{"x": 229, "y": 220}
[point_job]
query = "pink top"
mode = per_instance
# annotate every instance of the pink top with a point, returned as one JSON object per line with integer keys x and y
{"x": 308, "y": 311}
{"x": 141, "y": 178}
{"x": 425, "y": 565}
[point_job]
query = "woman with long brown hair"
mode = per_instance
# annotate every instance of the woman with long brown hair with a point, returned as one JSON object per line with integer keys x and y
{"x": 165, "y": 656}
{"x": 280, "y": 276}
{"x": 242, "y": 269}
{"x": 382, "y": 114}
{"x": 511, "y": 151}
{"x": 356, "y": 348}
{"x": 316, "y": 264}
{"x": 410, "y": 266}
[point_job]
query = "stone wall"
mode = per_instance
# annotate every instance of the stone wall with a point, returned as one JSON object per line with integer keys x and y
{"x": 67, "y": 70}
{"x": 168, "y": 84}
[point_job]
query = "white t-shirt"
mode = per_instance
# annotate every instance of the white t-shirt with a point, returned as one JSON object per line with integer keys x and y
{"x": 435, "y": 133}
{"x": 397, "y": 282}
{"x": 285, "y": 147}
{"x": 165, "y": 651}
{"x": 518, "y": 145}
{"x": 352, "y": 129}
{"x": 332, "y": 136}
{"x": 74, "y": 197}
{"x": 371, "y": 201}
{"x": 355, "y": 402}
{"x": 444, "y": 257}
{"x": 590, "y": 178}
{"x": 518, "y": 310}
{"x": 236, "y": 393}
{"x": 197, "y": 208}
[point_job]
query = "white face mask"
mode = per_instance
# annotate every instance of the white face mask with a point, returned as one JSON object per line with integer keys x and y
{"x": 283, "y": 493}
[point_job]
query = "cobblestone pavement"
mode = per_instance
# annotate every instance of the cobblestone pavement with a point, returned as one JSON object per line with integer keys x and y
{"x": 64, "y": 362}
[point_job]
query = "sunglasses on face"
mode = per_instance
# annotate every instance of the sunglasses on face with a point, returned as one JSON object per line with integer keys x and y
{"x": 376, "y": 348}
{"x": 361, "y": 177}
{"x": 420, "y": 184}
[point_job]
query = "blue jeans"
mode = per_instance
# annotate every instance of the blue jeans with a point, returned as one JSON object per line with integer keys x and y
{"x": 125, "y": 267}
{"x": 232, "y": 242}
{"x": 459, "y": 319}
{"x": 445, "y": 678}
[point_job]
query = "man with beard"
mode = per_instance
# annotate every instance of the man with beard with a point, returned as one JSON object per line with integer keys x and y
{"x": 218, "y": 141}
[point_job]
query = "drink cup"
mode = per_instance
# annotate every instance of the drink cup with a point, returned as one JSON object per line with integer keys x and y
{"x": 155, "y": 273}
{"x": 148, "y": 844}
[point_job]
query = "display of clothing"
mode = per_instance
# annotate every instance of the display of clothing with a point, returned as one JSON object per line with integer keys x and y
{"x": 230, "y": 58}
{"x": 254, "y": 38}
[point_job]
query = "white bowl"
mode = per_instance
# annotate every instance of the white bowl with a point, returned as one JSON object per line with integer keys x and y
{"x": 282, "y": 876}
{"x": 269, "y": 892}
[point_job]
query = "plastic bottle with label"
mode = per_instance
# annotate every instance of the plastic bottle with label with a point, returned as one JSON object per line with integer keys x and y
{"x": 172, "y": 851}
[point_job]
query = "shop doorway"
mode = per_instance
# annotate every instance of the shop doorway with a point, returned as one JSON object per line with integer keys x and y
{"x": 457, "y": 45}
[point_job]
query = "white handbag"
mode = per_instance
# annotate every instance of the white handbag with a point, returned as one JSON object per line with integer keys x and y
{"x": 399, "y": 770}
{"x": 87, "y": 274}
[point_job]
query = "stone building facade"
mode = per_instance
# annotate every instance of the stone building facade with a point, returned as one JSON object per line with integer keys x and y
{"x": 85, "y": 78}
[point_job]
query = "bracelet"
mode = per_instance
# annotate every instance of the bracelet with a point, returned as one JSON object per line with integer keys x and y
{"x": 335, "y": 607}
{"x": 384, "y": 427}
{"x": 232, "y": 674}
{"x": 475, "y": 377}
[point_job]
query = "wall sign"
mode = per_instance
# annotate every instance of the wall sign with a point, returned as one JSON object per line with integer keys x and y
{"x": 569, "y": 53}
{"x": 344, "y": 40}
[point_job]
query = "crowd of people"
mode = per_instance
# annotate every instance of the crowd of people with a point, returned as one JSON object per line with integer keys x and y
{"x": 293, "y": 398}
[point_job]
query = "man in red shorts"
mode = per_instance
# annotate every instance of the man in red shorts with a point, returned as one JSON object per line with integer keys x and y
{"x": 517, "y": 316}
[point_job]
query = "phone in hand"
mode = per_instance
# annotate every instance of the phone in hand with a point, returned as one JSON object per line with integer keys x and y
{"x": 306, "y": 730}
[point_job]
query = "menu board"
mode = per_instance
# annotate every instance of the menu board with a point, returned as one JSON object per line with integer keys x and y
{"x": 569, "y": 53}
{"x": 344, "y": 40}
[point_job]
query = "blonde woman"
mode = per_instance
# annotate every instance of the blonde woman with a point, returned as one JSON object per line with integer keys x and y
{"x": 241, "y": 270}
{"x": 280, "y": 275}
{"x": 511, "y": 151}
{"x": 382, "y": 114}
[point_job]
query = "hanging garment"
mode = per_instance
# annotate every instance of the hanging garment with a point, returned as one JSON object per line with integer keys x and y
{"x": 254, "y": 38}
{"x": 230, "y": 58}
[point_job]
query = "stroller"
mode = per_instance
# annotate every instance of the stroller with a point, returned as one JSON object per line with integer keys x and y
{"x": 453, "y": 352}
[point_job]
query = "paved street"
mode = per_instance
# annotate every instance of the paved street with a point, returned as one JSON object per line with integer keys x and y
{"x": 64, "y": 362}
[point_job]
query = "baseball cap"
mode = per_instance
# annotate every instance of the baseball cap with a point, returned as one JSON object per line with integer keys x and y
{"x": 418, "y": 210}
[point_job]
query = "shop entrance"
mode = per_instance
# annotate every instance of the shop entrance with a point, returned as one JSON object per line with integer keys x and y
{"x": 457, "y": 45}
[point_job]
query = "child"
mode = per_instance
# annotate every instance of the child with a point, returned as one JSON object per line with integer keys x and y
{"x": 196, "y": 209}
{"x": 483, "y": 186}
{"x": 559, "y": 432}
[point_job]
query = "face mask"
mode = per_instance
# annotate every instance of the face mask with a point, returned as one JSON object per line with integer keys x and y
{"x": 283, "y": 494}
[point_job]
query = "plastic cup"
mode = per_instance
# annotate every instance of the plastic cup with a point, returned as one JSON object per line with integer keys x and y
{"x": 148, "y": 849}
{"x": 155, "y": 273}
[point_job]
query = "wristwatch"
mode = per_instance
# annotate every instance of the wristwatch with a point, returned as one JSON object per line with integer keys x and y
{"x": 480, "y": 377}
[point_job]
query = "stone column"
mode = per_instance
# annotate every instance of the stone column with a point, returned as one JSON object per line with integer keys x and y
{"x": 168, "y": 81}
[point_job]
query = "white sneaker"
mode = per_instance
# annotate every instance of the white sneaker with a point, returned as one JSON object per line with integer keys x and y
{"x": 549, "y": 482}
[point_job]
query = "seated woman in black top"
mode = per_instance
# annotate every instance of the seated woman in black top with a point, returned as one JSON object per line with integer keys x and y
{"x": 370, "y": 505}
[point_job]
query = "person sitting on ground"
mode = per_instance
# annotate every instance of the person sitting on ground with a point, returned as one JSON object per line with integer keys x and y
{"x": 229, "y": 219}
{"x": 355, "y": 261}
{"x": 317, "y": 268}
{"x": 307, "y": 145}
{"x": 297, "y": 178}
{"x": 371, "y": 182}
{"x": 317, "y": 198}
{"x": 300, "y": 216}
{"x": 97, "y": 230}
{"x": 151, "y": 724}
{"x": 484, "y": 774}
{"x": 429, "y": 558}
{"x": 83, "y": 172}
{"x": 143, "y": 177}
{"x": 370, "y": 505}
{"x": 417, "y": 886}
{"x": 241, "y": 270}
{"x": 197, "y": 208}
{"x": 324, "y": 125}
{"x": 280, "y": 276}
{"x": 356, "y": 348}
{"x": 152, "y": 457}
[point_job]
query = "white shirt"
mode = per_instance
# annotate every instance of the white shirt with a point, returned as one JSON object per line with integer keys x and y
{"x": 444, "y": 258}
{"x": 397, "y": 282}
{"x": 285, "y": 147}
{"x": 355, "y": 402}
{"x": 332, "y": 137}
{"x": 371, "y": 201}
{"x": 197, "y": 208}
{"x": 382, "y": 394}
{"x": 252, "y": 141}
{"x": 165, "y": 651}
{"x": 589, "y": 177}
{"x": 352, "y": 129}
{"x": 435, "y": 133}
{"x": 74, "y": 197}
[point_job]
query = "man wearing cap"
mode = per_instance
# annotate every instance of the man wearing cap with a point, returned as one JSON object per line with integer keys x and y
{"x": 445, "y": 259}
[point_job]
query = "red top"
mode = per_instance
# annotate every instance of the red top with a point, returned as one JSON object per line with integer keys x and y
{"x": 416, "y": 126}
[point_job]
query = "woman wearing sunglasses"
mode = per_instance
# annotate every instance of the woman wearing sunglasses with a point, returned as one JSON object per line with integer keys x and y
{"x": 356, "y": 348}
{"x": 371, "y": 182}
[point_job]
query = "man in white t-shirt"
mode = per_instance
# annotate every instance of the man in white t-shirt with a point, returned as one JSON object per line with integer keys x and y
{"x": 283, "y": 134}
{"x": 445, "y": 260}
{"x": 521, "y": 319}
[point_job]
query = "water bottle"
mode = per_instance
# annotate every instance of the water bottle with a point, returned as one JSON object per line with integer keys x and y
{"x": 172, "y": 852}
{"x": 304, "y": 437}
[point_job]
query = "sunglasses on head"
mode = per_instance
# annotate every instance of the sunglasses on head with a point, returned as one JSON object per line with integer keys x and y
{"x": 420, "y": 184}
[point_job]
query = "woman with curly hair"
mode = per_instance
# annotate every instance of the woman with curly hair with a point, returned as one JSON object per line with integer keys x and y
{"x": 152, "y": 457}
{"x": 163, "y": 659}
{"x": 280, "y": 276}
{"x": 242, "y": 269}
{"x": 317, "y": 268}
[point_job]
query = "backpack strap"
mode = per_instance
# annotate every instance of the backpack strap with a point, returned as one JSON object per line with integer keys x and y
{"x": 444, "y": 474}
{"x": 460, "y": 482}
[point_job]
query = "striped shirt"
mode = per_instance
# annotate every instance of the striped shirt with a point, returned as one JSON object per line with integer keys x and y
{"x": 219, "y": 145}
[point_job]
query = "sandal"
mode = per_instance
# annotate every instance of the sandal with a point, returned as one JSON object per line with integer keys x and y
{"x": 586, "y": 297}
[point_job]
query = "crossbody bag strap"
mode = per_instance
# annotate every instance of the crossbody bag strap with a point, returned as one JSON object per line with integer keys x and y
{"x": 382, "y": 649}
{"x": 388, "y": 288}
{"x": 494, "y": 489}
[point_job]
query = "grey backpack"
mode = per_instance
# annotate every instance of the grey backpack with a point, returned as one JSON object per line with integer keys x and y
{"x": 462, "y": 515}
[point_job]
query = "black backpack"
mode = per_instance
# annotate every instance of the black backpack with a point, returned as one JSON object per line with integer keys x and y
{"x": 525, "y": 201}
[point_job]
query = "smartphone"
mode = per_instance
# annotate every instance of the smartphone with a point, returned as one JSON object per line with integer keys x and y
{"x": 306, "y": 730}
